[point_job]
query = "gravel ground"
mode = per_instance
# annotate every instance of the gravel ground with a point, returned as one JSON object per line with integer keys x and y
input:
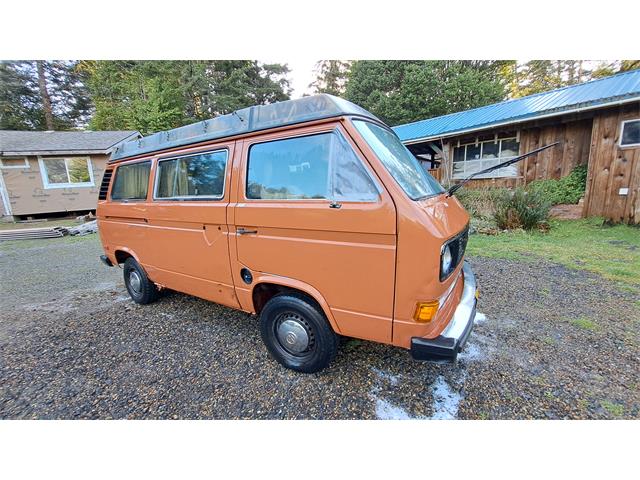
{"x": 551, "y": 343}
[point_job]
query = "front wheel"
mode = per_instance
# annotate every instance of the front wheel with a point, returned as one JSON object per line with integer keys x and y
{"x": 297, "y": 334}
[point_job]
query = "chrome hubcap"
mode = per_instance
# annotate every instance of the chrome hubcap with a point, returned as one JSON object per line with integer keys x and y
{"x": 135, "y": 281}
{"x": 292, "y": 334}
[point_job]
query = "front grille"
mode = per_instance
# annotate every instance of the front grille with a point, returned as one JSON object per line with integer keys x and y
{"x": 104, "y": 186}
{"x": 457, "y": 245}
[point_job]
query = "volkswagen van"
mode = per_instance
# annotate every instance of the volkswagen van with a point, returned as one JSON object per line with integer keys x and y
{"x": 309, "y": 214}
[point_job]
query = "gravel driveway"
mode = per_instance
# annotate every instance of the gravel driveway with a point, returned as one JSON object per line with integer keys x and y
{"x": 551, "y": 343}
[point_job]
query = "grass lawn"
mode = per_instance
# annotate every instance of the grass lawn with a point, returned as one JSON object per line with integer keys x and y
{"x": 586, "y": 244}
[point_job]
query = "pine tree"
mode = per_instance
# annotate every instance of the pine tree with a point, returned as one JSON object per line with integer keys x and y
{"x": 150, "y": 96}
{"x": 42, "y": 95}
{"x": 400, "y": 91}
{"x": 331, "y": 77}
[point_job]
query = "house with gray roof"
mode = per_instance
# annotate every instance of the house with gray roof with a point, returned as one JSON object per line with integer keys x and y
{"x": 52, "y": 172}
{"x": 596, "y": 123}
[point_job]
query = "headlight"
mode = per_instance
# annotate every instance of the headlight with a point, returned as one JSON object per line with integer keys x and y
{"x": 446, "y": 261}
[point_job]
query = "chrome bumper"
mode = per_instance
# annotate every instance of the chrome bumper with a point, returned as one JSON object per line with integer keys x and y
{"x": 447, "y": 345}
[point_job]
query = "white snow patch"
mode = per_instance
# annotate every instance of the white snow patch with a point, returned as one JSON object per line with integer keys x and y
{"x": 445, "y": 400}
{"x": 480, "y": 318}
{"x": 389, "y": 377}
{"x": 470, "y": 353}
{"x": 388, "y": 411}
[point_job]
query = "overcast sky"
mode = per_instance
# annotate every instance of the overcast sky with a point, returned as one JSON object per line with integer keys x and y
{"x": 301, "y": 74}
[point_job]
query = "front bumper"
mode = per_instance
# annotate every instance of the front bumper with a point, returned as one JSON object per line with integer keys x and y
{"x": 447, "y": 345}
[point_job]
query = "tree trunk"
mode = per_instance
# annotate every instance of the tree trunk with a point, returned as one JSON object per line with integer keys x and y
{"x": 44, "y": 94}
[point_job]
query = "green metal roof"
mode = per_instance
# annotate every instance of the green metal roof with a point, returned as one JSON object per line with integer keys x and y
{"x": 247, "y": 120}
{"x": 617, "y": 88}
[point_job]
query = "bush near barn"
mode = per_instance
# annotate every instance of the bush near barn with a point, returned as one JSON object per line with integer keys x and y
{"x": 526, "y": 208}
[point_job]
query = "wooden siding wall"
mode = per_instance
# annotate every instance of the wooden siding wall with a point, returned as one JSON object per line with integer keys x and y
{"x": 574, "y": 138}
{"x": 612, "y": 167}
{"x": 559, "y": 161}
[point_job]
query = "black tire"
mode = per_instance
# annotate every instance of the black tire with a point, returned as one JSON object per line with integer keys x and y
{"x": 143, "y": 290}
{"x": 322, "y": 344}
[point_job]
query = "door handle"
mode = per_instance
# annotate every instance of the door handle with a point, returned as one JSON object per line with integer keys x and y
{"x": 244, "y": 231}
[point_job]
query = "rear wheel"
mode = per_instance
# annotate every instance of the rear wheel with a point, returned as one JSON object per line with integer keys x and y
{"x": 297, "y": 334}
{"x": 140, "y": 288}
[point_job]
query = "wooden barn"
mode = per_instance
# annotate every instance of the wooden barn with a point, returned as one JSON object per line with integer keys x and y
{"x": 597, "y": 124}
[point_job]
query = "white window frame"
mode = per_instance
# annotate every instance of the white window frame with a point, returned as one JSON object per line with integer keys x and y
{"x": 25, "y": 159}
{"x": 501, "y": 159}
{"x": 45, "y": 178}
{"x": 628, "y": 145}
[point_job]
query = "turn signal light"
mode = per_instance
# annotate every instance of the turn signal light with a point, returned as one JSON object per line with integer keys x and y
{"x": 426, "y": 311}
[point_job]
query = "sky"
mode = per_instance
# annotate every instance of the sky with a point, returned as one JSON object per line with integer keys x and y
{"x": 301, "y": 74}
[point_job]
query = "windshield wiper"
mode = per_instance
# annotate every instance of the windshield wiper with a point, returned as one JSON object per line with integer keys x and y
{"x": 454, "y": 188}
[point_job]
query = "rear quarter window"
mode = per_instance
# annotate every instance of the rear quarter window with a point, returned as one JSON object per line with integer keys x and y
{"x": 131, "y": 182}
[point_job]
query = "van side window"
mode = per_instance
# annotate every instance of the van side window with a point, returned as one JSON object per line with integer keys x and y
{"x": 321, "y": 166}
{"x": 132, "y": 182}
{"x": 192, "y": 176}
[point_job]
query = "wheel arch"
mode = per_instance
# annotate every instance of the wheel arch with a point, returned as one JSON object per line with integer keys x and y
{"x": 267, "y": 286}
{"x": 120, "y": 254}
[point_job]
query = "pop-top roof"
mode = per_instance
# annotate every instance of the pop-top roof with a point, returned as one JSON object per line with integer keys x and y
{"x": 617, "y": 88}
{"x": 247, "y": 120}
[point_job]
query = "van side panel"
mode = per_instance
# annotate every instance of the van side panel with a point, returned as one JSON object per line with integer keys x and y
{"x": 182, "y": 245}
{"x": 347, "y": 254}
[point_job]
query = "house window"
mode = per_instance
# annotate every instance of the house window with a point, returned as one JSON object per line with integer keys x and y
{"x": 66, "y": 172}
{"x": 630, "y": 133}
{"x": 475, "y": 157}
{"x": 19, "y": 162}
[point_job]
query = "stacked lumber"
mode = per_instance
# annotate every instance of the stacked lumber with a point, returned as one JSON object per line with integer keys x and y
{"x": 84, "y": 229}
{"x": 31, "y": 233}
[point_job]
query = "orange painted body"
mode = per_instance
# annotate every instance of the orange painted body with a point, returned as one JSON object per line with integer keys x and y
{"x": 366, "y": 264}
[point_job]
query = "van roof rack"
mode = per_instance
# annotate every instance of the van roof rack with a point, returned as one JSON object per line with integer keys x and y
{"x": 246, "y": 120}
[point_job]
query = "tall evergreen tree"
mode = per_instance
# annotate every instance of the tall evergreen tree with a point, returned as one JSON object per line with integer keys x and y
{"x": 150, "y": 96}
{"x": 405, "y": 91}
{"x": 537, "y": 76}
{"x": 38, "y": 95}
{"x": 331, "y": 77}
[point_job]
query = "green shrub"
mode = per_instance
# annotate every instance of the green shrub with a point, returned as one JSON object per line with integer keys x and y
{"x": 480, "y": 202}
{"x": 567, "y": 190}
{"x": 522, "y": 208}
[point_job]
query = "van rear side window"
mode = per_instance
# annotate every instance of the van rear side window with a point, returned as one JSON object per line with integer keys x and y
{"x": 194, "y": 176}
{"x": 321, "y": 166}
{"x": 132, "y": 182}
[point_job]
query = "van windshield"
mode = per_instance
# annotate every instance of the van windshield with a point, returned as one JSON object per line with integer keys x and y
{"x": 398, "y": 160}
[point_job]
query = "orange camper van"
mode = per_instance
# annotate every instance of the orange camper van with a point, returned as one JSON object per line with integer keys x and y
{"x": 308, "y": 213}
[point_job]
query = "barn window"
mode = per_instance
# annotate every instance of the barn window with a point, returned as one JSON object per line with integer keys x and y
{"x": 65, "y": 172}
{"x": 630, "y": 133}
{"x": 476, "y": 156}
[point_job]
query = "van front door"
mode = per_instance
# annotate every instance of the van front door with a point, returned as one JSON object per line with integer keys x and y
{"x": 187, "y": 224}
{"x": 310, "y": 209}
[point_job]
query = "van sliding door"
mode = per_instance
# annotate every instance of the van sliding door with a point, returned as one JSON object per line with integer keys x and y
{"x": 187, "y": 223}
